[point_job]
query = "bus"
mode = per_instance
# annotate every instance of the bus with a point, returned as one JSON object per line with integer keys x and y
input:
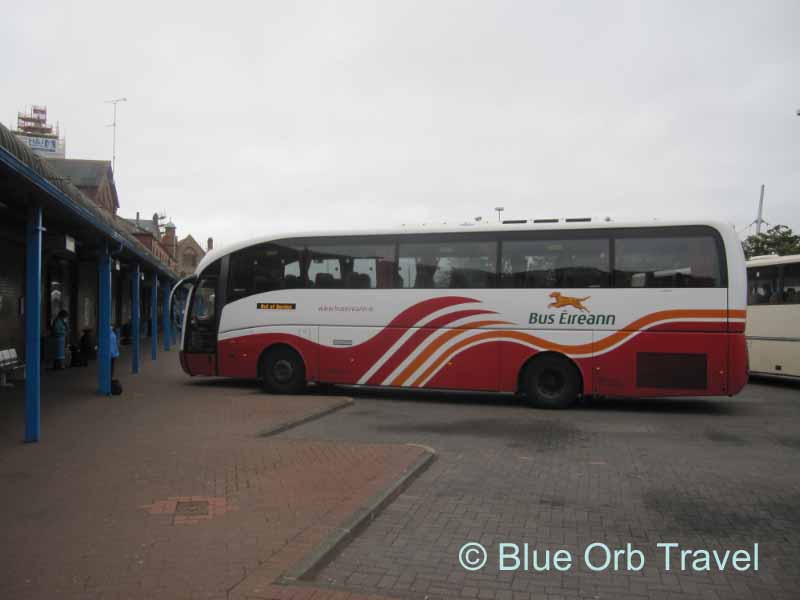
{"x": 773, "y": 315}
{"x": 553, "y": 311}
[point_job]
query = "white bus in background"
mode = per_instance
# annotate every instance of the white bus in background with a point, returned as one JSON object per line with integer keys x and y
{"x": 773, "y": 315}
{"x": 554, "y": 311}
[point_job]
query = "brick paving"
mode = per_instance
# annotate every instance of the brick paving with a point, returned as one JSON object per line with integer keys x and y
{"x": 713, "y": 474}
{"x": 92, "y": 511}
{"x": 170, "y": 492}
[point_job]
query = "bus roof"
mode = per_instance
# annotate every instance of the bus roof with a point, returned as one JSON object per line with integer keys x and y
{"x": 773, "y": 259}
{"x": 213, "y": 255}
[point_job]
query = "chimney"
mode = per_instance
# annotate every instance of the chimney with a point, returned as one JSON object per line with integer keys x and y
{"x": 210, "y": 246}
{"x": 137, "y": 218}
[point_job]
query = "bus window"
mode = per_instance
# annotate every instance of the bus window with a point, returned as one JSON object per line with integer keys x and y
{"x": 555, "y": 263}
{"x": 325, "y": 272}
{"x": 666, "y": 262}
{"x": 439, "y": 265}
{"x": 791, "y": 283}
{"x": 341, "y": 264}
{"x": 263, "y": 268}
{"x": 762, "y": 285}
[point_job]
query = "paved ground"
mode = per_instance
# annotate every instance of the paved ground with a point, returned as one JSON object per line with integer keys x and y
{"x": 168, "y": 491}
{"x": 712, "y": 474}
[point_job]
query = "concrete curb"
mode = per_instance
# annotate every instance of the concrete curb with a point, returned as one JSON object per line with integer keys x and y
{"x": 323, "y": 553}
{"x": 281, "y": 427}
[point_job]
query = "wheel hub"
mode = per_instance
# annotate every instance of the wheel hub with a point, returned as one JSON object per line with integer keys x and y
{"x": 550, "y": 383}
{"x": 282, "y": 371}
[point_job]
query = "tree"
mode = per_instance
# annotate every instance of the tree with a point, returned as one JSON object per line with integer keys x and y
{"x": 778, "y": 240}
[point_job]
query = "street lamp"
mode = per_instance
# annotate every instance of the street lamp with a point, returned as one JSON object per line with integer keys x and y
{"x": 115, "y": 101}
{"x": 499, "y": 209}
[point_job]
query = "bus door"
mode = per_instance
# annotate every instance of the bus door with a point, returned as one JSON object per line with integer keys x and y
{"x": 199, "y": 344}
{"x": 178, "y": 301}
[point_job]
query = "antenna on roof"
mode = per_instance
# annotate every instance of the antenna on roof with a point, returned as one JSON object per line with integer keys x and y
{"x": 113, "y": 124}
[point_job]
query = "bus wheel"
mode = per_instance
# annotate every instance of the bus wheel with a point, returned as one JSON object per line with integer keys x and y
{"x": 283, "y": 371}
{"x": 552, "y": 381}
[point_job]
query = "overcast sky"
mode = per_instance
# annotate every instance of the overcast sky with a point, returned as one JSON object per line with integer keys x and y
{"x": 244, "y": 118}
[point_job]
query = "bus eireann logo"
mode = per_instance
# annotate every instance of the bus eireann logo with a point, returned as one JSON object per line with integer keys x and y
{"x": 275, "y": 306}
{"x": 562, "y": 301}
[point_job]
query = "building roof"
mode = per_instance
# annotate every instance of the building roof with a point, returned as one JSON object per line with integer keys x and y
{"x": 145, "y": 225}
{"x": 190, "y": 241}
{"x": 84, "y": 173}
{"x": 20, "y": 158}
{"x": 81, "y": 173}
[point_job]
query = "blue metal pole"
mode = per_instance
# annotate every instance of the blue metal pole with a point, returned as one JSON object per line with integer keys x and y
{"x": 104, "y": 322}
{"x": 154, "y": 318}
{"x": 166, "y": 321}
{"x": 136, "y": 326}
{"x": 33, "y": 323}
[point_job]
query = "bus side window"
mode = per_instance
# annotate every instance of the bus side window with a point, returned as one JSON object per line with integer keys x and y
{"x": 340, "y": 263}
{"x": 407, "y": 272}
{"x": 448, "y": 264}
{"x": 325, "y": 272}
{"x": 762, "y": 286}
{"x": 666, "y": 262}
{"x": 578, "y": 263}
{"x": 791, "y": 283}
{"x": 263, "y": 268}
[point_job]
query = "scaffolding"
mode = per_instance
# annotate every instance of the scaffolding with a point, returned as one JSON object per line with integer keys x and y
{"x": 39, "y": 135}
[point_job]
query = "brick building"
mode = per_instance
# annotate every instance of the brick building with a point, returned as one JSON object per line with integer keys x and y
{"x": 181, "y": 255}
{"x": 190, "y": 253}
{"x": 148, "y": 232}
{"x": 92, "y": 177}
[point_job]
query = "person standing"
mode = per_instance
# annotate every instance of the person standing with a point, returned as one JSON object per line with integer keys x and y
{"x": 114, "y": 348}
{"x": 60, "y": 334}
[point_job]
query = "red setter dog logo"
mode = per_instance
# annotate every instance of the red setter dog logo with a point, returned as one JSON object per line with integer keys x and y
{"x": 562, "y": 301}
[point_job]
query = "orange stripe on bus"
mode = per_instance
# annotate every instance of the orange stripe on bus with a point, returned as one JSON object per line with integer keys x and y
{"x": 431, "y": 348}
{"x": 588, "y": 348}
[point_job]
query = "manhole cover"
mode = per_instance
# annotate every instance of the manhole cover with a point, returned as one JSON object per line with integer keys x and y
{"x": 193, "y": 508}
{"x": 188, "y": 510}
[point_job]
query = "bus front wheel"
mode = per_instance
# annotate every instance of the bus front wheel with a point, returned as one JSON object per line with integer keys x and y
{"x": 552, "y": 381}
{"x": 283, "y": 371}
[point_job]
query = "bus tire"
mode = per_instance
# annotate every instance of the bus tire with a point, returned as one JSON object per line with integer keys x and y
{"x": 552, "y": 381}
{"x": 283, "y": 371}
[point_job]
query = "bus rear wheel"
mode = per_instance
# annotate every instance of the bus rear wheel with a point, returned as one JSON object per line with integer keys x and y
{"x": 553, "y": 382}
{"x": 283, "y": 371}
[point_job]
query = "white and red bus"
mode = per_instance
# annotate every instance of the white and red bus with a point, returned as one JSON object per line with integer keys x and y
{"x": 552, "y": 310}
